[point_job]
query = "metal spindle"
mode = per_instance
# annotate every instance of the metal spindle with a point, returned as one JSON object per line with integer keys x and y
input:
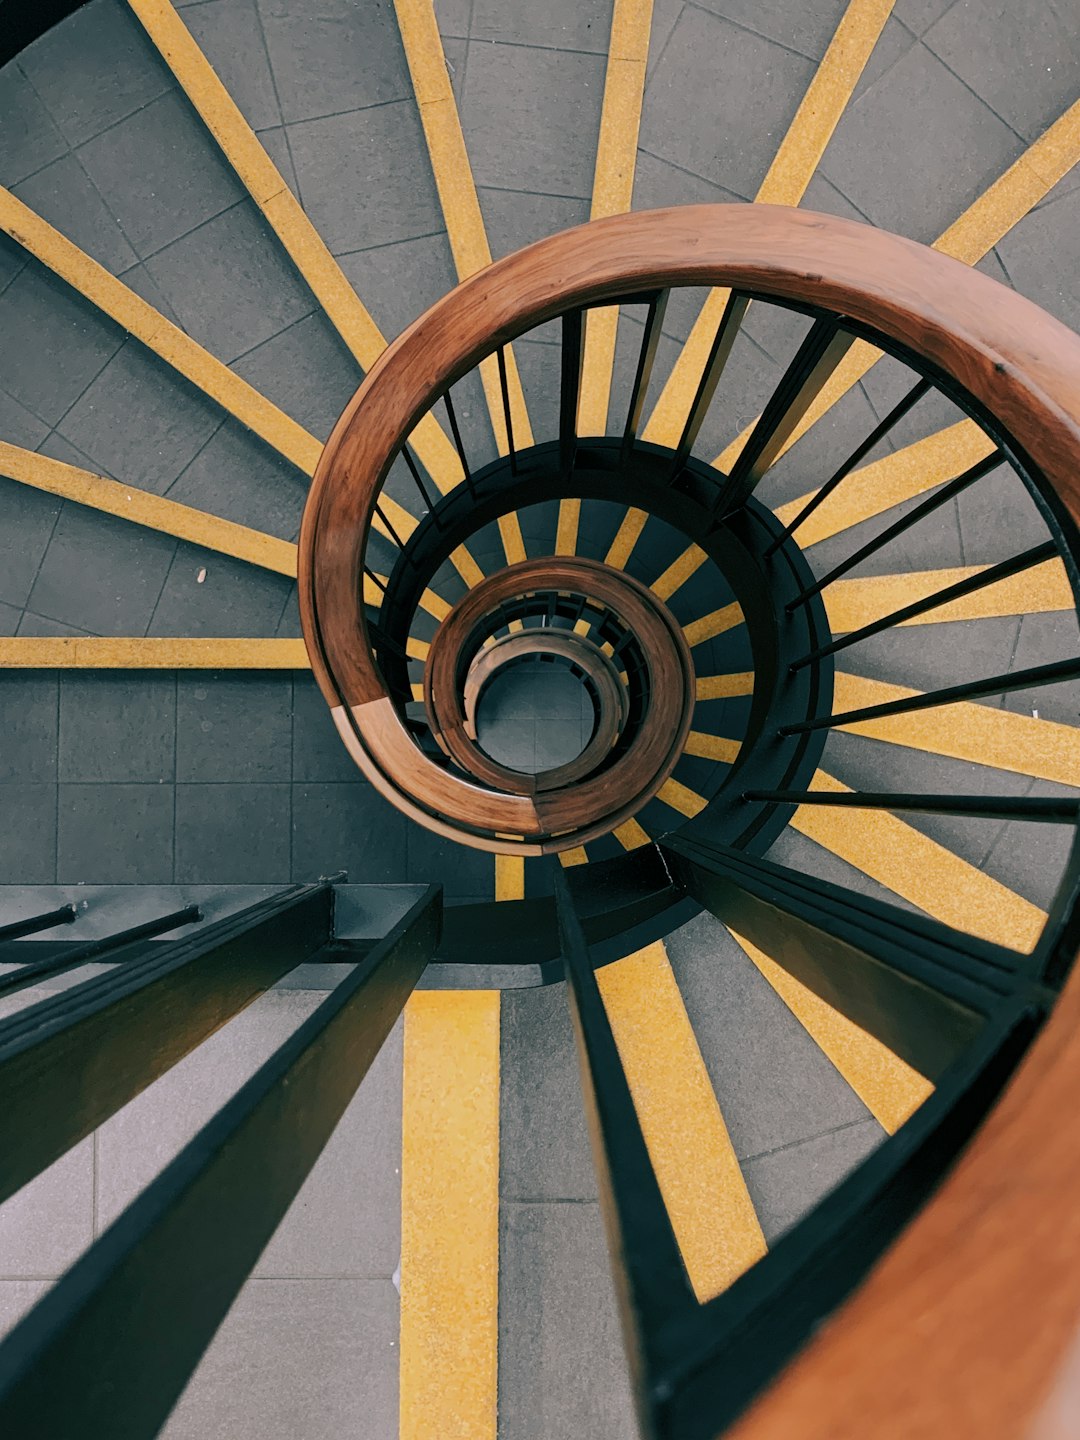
{"x": 414, "y": 471}
{"x": 393, "y": 533}
{"x": 1038, "y": 675}
{"x": 33, "y": 923}
{"x": 650, "y": 341}
{"x": 894, "y": 416}
{"x": 726, "y": 334}
{"x": 1055, "y": 811}
{"x": 459, "y": 446}
{"x": 504, "y": 386}
{"x": 573, "y": 355}
{"x": 816, "y": 359}
{"x": 940, "y": 497}
{"x": 94, "y": 949}
{"x": 973, "y": 583}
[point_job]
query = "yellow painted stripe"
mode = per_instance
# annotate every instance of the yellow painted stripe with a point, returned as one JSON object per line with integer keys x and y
{"x": 986, "y": 221}
{"x": 509, "y": 877}
{"x": 570, "y": 858}
{"x": 712, "y": 747}
{"x": 450, "y": 1217}
{"x": 785, "y": 184}
{"x": 286, "y": 217}
{"x": 461, "y": 211}
{"x": 262, "y": 179}
{"x": 613, "y": 187}
{"x": 928, "y": 874}
{"x": 142, "y": 508}
{"x": 166, "y": 340}
{"x": 621, "y": 548}
{"x": 851, "y": 604}
{"x": 964, "y": 731}
{"x": 416, "y": 649}
{"x": 721, "y": 687}
{"x": 107, "y": 652}
{"x": 889, "y": 1088}
{"x": 890, "y": 481}
{"x": 566, "y": 532}
{"x": 130, "y": 311}
{"x": 699, "y": 1176}
{"x": 714, "y": 624}
{"x": 680, "y": 797}
{"x": 678, "y": 572}
{"x": 630, "y": 835}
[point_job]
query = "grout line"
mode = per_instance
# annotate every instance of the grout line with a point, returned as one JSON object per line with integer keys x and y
{"x": 748, "y": 30}
{"x": 818, "y": 1135}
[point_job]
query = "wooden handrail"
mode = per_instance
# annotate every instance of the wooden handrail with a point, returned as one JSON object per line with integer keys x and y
{"x": 1016, "y": 362}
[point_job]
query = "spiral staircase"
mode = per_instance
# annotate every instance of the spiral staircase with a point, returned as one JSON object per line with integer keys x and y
{"x": 538, "y": 892}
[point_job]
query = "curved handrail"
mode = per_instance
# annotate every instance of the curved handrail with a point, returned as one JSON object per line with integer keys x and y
{"x": 1014, "y": 361}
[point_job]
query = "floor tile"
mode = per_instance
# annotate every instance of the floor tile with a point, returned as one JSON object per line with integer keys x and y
{"x": 786, "y": 1184}
{"x": 805, "y": 27}
{"x": 101, "y": 574}
{"x": 562, "y": 1369}
{"x": 118, "y": 725}
{"x": 229, "y": 33}
{"x": 139, "y": 422}
{"x": 230, "y": 282}
{"x": 365, "y": 177}
{"x": 64, "y": 195}
{"x": 531, "y": 117}
{"x": 31, "y": 140}
{"x": 115, "y": 834}
{"x": 94, "y": 69}
{"x": 28, "y": 840}
{"x": 232, "y": 599}
{"x": 232, "y": 834}
{"x": 28, "y": 719}
{"x": 234, "y": 727}
{"x": 306, "y": 370}
{"x": 236, "y": 476}
{"x": 347, "y": 827}
{"x": 559, "y": 25}
{"x": 72, "y": 343}
{"x": 337, "y": 58}
{"x": 45, "y": 1226}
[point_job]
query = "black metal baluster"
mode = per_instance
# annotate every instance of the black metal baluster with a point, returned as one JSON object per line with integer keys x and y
{"x": 1054, "y": 811}
{"x": 392, "y": 532}
{"x": 103, "y": 948}
{"x": 459, "y": 446}
{"x": 414, "y": 471}
{"x": 726, "y": 334}
{"x": 652, "y": 1285}
{"x": 895, "y": 415}
{"x": 1051, "y": 674}
{"x": 122, "y": 1029}
{"x": 973, "y": 583}
{"x": 650, "y": 340}
{"x": 109, "y": 1349}
{"x": 374, "y": 578}
{"x": 940, "y": 497}
{"x": 570, "y": 389}
{"x": 922, "y": 988}
{"x": 817, "y": 357}
{"x": 505, "y": 388}
{"x": 33, "y": 923}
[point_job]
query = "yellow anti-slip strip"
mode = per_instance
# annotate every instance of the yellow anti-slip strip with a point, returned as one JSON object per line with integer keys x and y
{"x": 143, "y": 508}
{"x": 105, "y": 652}
{"x": 910, "y": 864}
{"x": 889, "y": 1088}
{"x": 986, "y": 221}
{"x": 509, "y": 877}
{"x": 450, "y": 1217}
{"x": 785, "y": 184}
{"x": 613, "y": 189}
{"x": 851, "y": 604}
{"x": 890, "y": 481}
{"x": 461, "y": 211}
{"x": 266, "y": 186}
{"x": 699, "y": 1176}
{"x": 977, "y": 733}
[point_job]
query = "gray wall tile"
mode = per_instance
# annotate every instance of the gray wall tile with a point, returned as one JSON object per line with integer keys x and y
{"x": 115, "y": 834}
